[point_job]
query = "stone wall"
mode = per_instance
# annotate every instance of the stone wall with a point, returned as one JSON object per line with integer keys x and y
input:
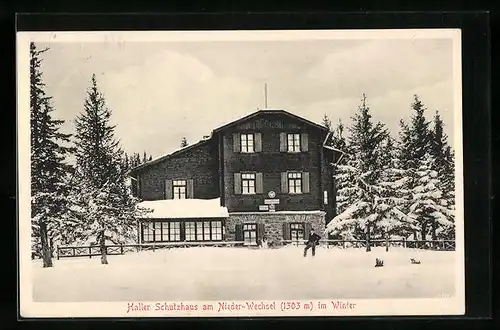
{"x": 273, "y": 222}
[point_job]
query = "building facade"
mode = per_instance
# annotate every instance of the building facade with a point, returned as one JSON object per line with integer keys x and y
{"x": 268, "y": 170}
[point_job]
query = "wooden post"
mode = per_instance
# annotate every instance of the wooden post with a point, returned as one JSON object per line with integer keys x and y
{"x": 58, "y": 253}
{"x": 90, "y": 252}
{"x": 121, "y": 248}
{"x": 343, "y": 244}
{"x": 386, "y": 243}
{"x": 443, "y": 245}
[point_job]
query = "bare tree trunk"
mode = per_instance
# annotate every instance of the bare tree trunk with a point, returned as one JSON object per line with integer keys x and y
{"x": 368, "y": 248}
{"x": 46, "y": 255}
{"x": 102, "y": 243}
{"x": 424, "y": 231}
{"x": 386, "y": 242}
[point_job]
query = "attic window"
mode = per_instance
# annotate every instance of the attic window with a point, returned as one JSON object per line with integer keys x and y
{"x": 293, "y": 142}
{"x": 247, "y": 142}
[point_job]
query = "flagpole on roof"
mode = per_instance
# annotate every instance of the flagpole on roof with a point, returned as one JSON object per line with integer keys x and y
{"x": 265, "y": 94}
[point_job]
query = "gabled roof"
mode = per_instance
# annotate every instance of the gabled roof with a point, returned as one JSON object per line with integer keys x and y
{"x": 270, "y": 112}
{"x": 235, "y": 122}
{"x": 170, "y": 155}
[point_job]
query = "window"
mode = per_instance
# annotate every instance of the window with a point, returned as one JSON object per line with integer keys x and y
{"x": 293, "y": 142}
{"x": 161, "y": 231}
{"x": 325, "y": 197}
{"x": 250, "y": 233}
{"x": 206, "y": 231}
{"x": 296, "y": 231}
{"x": 180, "y": 188}
{"x": 216, "y": 230}
{"x": 147, "y": 232}
{"x": 248, "y": 183}
{"x": 247, "y": 143}
{"x": 190, "y": 231}
{"x": 175, "y": 231}
{"x": 295, "y": 182}
{"x": 157, "y": 229}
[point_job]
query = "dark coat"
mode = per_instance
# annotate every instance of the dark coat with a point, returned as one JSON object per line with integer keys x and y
{"x": 313, "y": 239}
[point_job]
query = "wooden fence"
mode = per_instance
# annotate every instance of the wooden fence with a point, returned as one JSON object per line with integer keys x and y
{"x": 442, "y": 245}
{"x": 95, "y": 250}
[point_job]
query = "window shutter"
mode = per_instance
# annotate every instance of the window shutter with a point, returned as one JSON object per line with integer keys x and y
{"x": 237, "y": 183}
{"x": 284, "y": 182}
{"x": 282, "y": 142}
{"x": 286, "y": 231}
{"x": 168, "y": 189}
{"x": 305, "y": 182}
{"x": 190, "y": 188}
{"x": 238, "y": 232}
{"x": 304, "y": 142}
{"x": 236, "y": 142}
{"x": 307, "y": 229}
{"x": 260, "y": 232}
{"x": 258, "y": 142}
{"x": 258, "y": 183}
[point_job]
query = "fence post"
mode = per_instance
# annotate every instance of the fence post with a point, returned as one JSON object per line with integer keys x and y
{"x": 90, "y": 252}
{"x": 443, "y": 246}
{"x": 121, "y": 248}
{"x": 58, "y": 253}
{"x": 404, "y": 242}
{"x": 343, "y": 244}
{"x": 386, "y": 243}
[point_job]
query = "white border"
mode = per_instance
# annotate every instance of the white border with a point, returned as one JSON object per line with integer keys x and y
{"x": 376, "y": 307}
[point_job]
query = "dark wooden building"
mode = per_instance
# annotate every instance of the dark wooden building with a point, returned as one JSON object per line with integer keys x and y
{"x": 269, "y": 171}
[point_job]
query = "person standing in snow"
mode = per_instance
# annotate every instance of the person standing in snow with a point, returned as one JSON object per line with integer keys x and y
{"x": 312, "y": 242}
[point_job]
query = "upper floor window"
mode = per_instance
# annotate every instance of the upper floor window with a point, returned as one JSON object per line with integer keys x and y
{"x": 247, "y": 142}
{"x": 293, "y": 142}
{"x": 248, "y": 183}
{"x": 295, "y": 182}
{"x": 180, "y": 189}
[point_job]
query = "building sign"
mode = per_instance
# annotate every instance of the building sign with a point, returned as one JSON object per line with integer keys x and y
{"x": 263, "y": 207}
{"x": 272, "y": 201}
{"x": 271, "y": 194}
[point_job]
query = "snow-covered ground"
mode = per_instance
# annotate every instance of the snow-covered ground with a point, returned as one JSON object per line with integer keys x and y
{"x": 242, "y": 274}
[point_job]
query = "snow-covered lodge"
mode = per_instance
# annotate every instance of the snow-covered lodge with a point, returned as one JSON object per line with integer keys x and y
{"x": 266, "y": 175}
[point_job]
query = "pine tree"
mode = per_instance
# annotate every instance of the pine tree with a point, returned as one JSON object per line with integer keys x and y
{"x": 413, "y": 152}
{"x": 427, "y": 205}
{"x": 359, "y": 180}
{"x": 444, "y": 165}
{"x": 327, "y": 122}
{"x": 107, "y": 210}
{"x": 184, "y": 142}
{"x": 415, "y": 136}
{"x": 48, "y": 167}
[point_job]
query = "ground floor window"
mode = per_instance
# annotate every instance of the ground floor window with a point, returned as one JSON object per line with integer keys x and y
{"x": 296, "y": 231}
{"x": 161, "y": 231}
{"x": 250, "y": 233}
{"x": 191, "y": 231}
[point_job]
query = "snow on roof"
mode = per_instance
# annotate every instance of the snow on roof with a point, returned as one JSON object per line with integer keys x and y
{"x": 184, "y": 208}
{"x": 279, "y": 212}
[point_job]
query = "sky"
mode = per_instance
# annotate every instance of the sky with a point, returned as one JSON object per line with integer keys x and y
{"x": 159, "y": 92}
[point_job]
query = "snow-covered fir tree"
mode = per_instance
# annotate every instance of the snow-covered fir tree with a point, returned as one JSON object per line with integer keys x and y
{"x": 49, "y": 170}
{"x": 444, "y": 164}
{"x": 365, "y": 209}
{"x": 422, "y": 153}
{"x": 327, "y": 122}
{"x": 106, "y": 209}
{"x": 427, "y": 197}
